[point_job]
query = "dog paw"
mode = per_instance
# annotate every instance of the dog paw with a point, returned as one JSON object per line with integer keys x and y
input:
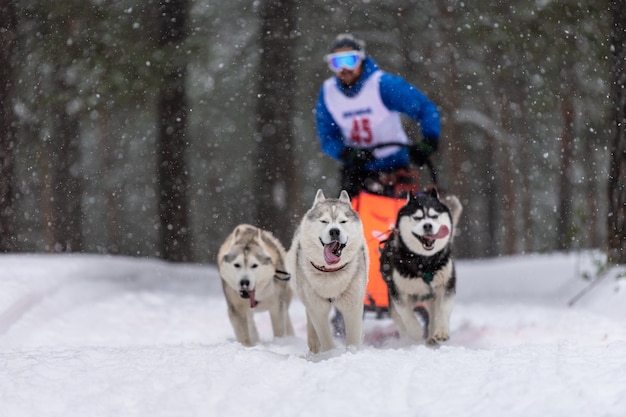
{"x": 432, "y": 343}
{"x": 440, "y": 336}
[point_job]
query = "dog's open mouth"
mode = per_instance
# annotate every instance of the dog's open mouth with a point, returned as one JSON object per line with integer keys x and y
{"x": 332, "y": 252}
{"x": 428, "y": 241}
{"x": 248, "y": 294}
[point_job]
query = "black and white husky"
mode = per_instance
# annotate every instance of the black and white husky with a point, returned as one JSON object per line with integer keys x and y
{"x": 416, "y": 264}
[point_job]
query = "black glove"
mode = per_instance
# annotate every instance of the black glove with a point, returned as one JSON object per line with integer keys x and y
{"x": 431, "y": 142}
{"x": 356, "y": 157}
{"x": 420, "y": 153}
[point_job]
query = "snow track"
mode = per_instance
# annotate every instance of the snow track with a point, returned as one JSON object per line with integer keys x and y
{"x": 103, "y": 336}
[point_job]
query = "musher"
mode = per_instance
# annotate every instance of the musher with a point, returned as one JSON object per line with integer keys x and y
{"x": 359, "y": 107}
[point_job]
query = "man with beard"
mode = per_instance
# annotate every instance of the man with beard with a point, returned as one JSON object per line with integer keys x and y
{"x": 358, "y": 112}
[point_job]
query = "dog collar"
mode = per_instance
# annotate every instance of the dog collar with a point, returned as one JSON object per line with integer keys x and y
{"x": 322, "y": 268}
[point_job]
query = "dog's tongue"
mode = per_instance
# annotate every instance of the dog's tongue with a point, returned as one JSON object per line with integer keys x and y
{"x": 329, "y": 253}
{"x": 253, "y": 302}
{"x": 441, "y": 233}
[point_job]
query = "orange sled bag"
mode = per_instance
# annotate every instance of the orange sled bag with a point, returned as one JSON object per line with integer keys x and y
{"x": 378, "y": 214}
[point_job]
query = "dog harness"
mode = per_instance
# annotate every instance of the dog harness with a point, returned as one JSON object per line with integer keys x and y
{"x": 390, "y": 258}
{"x": 282, "y": 275}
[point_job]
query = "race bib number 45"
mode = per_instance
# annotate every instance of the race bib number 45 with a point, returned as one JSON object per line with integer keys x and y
{"x": 361, "y": 132}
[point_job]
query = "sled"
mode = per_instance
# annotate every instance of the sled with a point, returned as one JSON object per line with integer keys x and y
{"x": 378, "y": 205}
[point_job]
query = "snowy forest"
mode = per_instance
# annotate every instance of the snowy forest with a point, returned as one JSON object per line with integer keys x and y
{"x": 152, "y": 129}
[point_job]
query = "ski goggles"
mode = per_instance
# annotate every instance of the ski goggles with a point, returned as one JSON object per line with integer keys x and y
{"x": 348, "y": 60}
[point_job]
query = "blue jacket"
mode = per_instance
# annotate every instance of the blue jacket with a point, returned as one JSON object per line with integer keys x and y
{"x": 398, "y": 95}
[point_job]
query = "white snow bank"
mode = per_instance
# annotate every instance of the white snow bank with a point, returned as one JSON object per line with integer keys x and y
{"x": 110, "y": 336}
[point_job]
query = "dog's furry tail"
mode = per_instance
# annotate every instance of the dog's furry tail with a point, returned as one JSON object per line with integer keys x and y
{"x": 456, "y": 208}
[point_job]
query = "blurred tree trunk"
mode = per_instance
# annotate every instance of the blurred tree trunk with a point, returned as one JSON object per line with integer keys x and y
{"x": 112, "y": 190}
{"x": 526, "y": 218}
{"x": 276, "y": 177}
{"x": 8, "y": 39}
{"x": 64, "y": 182}
{"x": 592, "y": 225}
{"x": 505, "y": 164}
{"x": 617, "y": 167}
{"x": 565, "y": 234}
{"x": 490, "y": 178}
{"x": 63, "y": 148}
{"x": 175, "y": 235}
{"x": 564, "y": 210}
{"x": 508, "y": 199}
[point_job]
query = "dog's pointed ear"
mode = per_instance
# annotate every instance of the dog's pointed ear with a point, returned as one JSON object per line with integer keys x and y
{"x": 229, "y": 255}
{"x": 433, "y": 192}
{"x": 343, "y": 196}
{"x": 259, "y": 238}
{"x": 409, "y": 197}
{"x": 319, "y": 197}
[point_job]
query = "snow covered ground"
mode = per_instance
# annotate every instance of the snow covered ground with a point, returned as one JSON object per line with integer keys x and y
{"x": 84, "y": 335}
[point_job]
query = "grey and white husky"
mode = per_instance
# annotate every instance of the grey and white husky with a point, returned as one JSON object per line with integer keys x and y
{"x": 416, "y": 264}
{"x": 329, "y": 260}
{"x": 251, "y": 264}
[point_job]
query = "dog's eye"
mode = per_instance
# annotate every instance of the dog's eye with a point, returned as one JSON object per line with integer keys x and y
{"x": 324, "y": 221}
{"x": 343, "y": 222}
{"x": 417, "y": 218}
{"x": 435, "y": 216}
{"x": 254, "y": 266}
{"x": 237, "y": 265}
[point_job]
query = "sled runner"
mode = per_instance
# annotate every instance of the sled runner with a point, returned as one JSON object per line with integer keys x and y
{"x": 378, "y": 204}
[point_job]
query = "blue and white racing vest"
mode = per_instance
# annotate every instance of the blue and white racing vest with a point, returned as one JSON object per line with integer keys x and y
{"x": 364, "y": 119}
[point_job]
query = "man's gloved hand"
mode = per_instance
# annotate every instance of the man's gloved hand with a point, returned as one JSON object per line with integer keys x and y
{"x": 420, "y": 153}
{"x": 357, "y": 157}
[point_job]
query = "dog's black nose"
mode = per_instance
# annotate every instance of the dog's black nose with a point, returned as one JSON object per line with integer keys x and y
{"x": 334, "y": 233}
{"x": 428, "y": 228}
{"x": 245, "y": 283}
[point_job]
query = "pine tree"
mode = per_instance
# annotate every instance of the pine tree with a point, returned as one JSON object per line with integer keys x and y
{"x": 8, "y": 35}
{"x": 617, "y": 169}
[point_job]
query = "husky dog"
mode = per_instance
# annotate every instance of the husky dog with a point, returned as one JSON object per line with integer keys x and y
{"x": 251, "y": 264}
{"x": 329, "y": 261}
{"x": 416, "y": 264}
